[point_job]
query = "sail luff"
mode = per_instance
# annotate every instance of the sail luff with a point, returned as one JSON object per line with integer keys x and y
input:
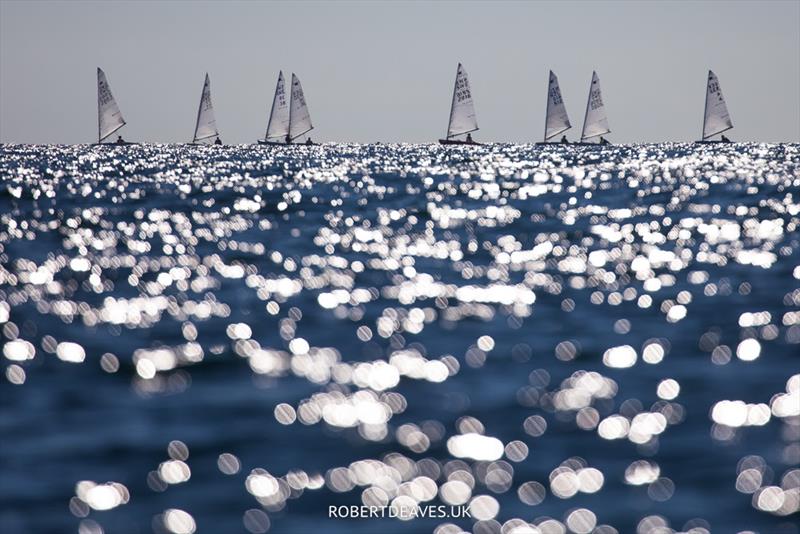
{"x": 556, "y": 119}
{"x": 278, "y": 124}
{"x": 462, "y": 108}
{"x": 716, "y": 118}
{"x": 453, "y": 103}
{"x": 299, "y": 117}
{"x": 705, "y": 108}
{"x": 586, "y": 113}
{"x": 595, "y": 122}
{"x": 206, "y": 125}
{"x": 199, "y": 110}
{"x": 99, "y": 109}
{"x": 109, "y": 117}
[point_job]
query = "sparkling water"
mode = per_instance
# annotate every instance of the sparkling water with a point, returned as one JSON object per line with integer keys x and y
{"x": 234, "y": 339}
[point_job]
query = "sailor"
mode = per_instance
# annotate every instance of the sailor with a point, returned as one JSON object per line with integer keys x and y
{"x": 288, "y": 139}
{"x": 725, "y": 139}
{"x": 217, "y": 141}
{"x": 564, "y": 140}
{"x": 309, "y": 141}
{"x": 603, "y": 140}
{"x": 120, "y": 140}
{"x": 469, "y": 138}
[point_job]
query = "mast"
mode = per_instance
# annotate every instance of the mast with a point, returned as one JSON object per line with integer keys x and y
{"x": 99, "y": 107}
{"x": 453, "y": 103}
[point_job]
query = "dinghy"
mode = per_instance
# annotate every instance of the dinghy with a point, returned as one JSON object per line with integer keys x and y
{"x": 716, "y": 119}
{"x": 299, "y": 118}
{"x": 462, "y": 112}
{"x": 109, "y": 117}
{"x": 205, "y": 130}
{"x": 278, "y": 125}
{"x": 556, "y": 121}
{"x": 595, "y": 122}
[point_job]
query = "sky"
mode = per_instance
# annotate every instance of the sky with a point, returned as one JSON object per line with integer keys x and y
{"x": 384, "y": 71}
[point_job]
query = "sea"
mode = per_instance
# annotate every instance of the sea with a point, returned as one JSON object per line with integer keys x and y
{"x": 400, "y": 338}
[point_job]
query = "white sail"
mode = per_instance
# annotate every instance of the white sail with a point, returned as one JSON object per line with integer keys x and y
{"x": 206, "y": 127}
{"x": 278, "y": 125}
{"x": 299, "y": 119}
{"x": 109, "y": 117}
{"x": 595, "y": 122}
{"x": 716, "y": 119}
{"x": 462, "y": 110}
{"x": 556, "y": 121}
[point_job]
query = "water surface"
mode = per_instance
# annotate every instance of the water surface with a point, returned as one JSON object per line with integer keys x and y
{"x": 233, "y": 339}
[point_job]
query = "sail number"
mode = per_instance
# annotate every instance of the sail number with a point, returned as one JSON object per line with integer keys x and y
{"x": 555, "y": 95}
{"x": 105, "y": 94}
{"x": 595, "y": 101}
{"x": 281, "y": 95}
{"x": 206, "y": 102}
{"x": 462, "y": 90}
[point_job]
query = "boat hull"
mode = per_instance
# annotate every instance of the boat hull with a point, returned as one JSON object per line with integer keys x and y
{"x": 124, "y": 143}
{"x": 272, "y": 143}
{"x": 554, "y": 143}
{"x": 712, "y": 142}
{"x": 582, "y": 143}
{"x": 276, "y": 143}
{"x": 457, "y": 142}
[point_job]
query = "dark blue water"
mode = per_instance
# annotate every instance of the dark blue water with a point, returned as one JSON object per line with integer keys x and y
{"x": 235, "y": 339}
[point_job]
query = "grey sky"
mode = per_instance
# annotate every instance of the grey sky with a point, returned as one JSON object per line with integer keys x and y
{"x": 383, "y": 71}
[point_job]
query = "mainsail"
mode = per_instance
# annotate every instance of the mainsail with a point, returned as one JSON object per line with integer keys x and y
{"x": 595, "y": 122}
{"x": 299, "y": 119}
{"x": 462, "y": 110}
{"x": 206, "y": 126}
{"x": 278, "y": 125}
{"x": 716, "y": 119}
{"x": 109, "y": 117}
{"x": 556, "y": 121}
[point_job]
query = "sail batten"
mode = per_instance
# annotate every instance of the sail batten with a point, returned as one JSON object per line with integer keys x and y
{"x": 716, "y": 119}
{"x": 462, "y": 109}
{"x": 556, "y": 120}
{"x": 109, "y": 117}
{"x": 278, "y": 125}
{"x": 595, "y": 121}
{"x": 206, "y": 125}
{"x": 299, "y": 117}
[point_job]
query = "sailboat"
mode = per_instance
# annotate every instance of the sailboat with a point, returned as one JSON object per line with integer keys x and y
{"x": 595, "y": 122}
{"x": 109, "y": 117}
{"x": 205, "y": 129}
{"x": 299, "y": 118}
{"x": 462, "y": 112}
{"x": 278, "y": 125}
{"x": 556, "y": 121}
{"x": 716, "y": 119}
{"x": 288, "y": 120}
